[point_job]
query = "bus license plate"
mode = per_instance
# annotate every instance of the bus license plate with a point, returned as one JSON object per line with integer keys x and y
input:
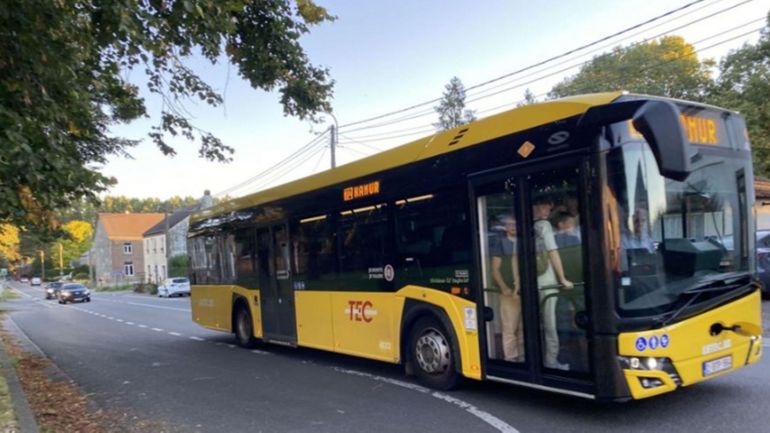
{"x": 716, "y": 365}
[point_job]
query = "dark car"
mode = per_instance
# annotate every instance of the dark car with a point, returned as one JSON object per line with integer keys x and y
{"x": 52, "y": 290}
{"x": 74, "y": 292}
{"x": 763, "y": 261}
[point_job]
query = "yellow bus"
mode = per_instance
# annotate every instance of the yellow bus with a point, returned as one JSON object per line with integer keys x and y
{"x": 600, "y": 246}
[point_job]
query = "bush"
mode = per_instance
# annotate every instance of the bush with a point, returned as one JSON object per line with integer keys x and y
{"x": 148, "y": 288}
{"x": 177, "y": 266}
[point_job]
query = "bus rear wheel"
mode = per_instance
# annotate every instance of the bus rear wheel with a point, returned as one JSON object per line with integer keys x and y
{"x": 244, "y": 328}
{"x": 432, "y": 355}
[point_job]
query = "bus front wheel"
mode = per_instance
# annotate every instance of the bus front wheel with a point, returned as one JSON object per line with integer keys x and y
{"x": 244, "y": 328}
{"x": 431, "y": 353}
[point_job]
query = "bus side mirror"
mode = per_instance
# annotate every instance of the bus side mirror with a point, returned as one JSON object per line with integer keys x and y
{"x": 658, "y": 121}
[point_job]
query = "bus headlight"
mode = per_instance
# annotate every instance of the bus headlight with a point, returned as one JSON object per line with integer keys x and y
{"x": 650, "y": 363}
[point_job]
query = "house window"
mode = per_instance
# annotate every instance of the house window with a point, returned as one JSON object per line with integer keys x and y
{"x": 147, "y": 246}
{"x": 128, "y": 269}
{"x": 163, "y": 273}
{"x": 128, "y": 248}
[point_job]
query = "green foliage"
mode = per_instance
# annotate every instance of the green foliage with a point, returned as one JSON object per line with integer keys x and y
{"x": 744, "y": 85}
{"x": 451, "y": 109}
{"x": 666, "y": 67}
{"x": 177, "y": 266}
{"x": 63, "y": 69}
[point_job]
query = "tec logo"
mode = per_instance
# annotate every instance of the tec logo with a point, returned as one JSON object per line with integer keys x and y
{"x": 360, "y": 311}
{"x": 641, "y": 343}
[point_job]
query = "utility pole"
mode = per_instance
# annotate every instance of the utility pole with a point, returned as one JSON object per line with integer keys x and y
{"x": 333, "y": 144}
{"x": 61, "y": 260}
{"x": 165, "y": 235}
{"x": 334, "y": 129}
{"x": 42, "y": 265}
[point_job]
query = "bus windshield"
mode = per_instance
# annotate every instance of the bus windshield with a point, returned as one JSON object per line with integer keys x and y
{"x": 668, "y": 237}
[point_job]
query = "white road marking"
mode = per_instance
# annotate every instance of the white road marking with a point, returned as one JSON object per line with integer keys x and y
{"x": 157, "y": 329}
{"x": 142, "y": 326}
{"x": 176, "y": 334}
{"x": 260, "y": 352}
{"x": 196, "y": 338}
{"x": 120, "y": 320}
{"x": 186, "y": 310}
{"x": 487, "y": 417}
{"x": 130, "y": 323}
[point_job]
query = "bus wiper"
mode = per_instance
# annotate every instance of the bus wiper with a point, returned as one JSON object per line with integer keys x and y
{"x": 697, "y": 290}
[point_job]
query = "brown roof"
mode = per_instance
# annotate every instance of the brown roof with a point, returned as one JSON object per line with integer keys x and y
{"x": 128, "y": 226}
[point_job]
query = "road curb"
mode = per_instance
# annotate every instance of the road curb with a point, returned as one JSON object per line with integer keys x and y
{"x": 24, "y": 417}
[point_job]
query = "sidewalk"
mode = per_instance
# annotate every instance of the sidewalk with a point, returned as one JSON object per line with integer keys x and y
{"x": 24, "y": 418}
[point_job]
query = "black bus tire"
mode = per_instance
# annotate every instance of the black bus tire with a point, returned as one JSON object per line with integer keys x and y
{"x": 244, "y": 327}
{"x": 432, "y": 355}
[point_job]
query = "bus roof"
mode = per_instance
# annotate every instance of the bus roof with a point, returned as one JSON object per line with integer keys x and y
{"x": 498, "y": 125}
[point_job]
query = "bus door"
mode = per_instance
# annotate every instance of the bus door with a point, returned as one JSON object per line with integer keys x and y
{"x": 278, "y": 315}
{"x": 531, "y": 249}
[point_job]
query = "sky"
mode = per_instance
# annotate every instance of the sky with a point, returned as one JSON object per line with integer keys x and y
{"x": 385, "y": 56}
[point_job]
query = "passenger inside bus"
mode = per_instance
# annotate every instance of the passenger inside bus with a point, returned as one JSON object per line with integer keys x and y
{"x": 550, "y": 274}
{"x": 505, "y": 272}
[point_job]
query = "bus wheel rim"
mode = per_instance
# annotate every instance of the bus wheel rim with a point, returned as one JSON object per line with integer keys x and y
{"x": 432, "y": 352}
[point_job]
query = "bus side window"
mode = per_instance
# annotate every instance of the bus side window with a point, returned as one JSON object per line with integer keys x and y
{"x": 432, "y": 241}
{"x": 363, "y": 241}
{"x": 314, "y": 255}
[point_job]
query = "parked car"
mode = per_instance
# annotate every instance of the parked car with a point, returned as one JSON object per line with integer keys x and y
{"x": 24, "y": 280}
{"x": 74, "y": 292}
{"x": 174, "y": 286}
{"x": 763, "y": 261}
{"x": 36, "y": 281}
{"x": 52, "y": 290}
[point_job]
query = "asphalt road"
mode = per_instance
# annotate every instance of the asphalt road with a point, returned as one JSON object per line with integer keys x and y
{"x": 144, "y": 355}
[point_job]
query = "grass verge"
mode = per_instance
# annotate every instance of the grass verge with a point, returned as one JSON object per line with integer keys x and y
{"x": 7, "y": 416}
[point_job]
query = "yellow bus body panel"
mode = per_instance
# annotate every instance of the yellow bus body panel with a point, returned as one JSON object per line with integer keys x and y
{"x": 473, "y": 134}
{"x": 314, "y": 319}
{"x": 212, "y": 307}
{"x": 690, "y": 344}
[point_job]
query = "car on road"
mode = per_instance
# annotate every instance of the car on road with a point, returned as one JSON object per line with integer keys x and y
{"x": 24, "y": 280}
{"x": 74, "y": 292}
{"x": 52, "y": 290}
{"x": 763, "y": 261}
{"x": 36, "y": 281}
{"x": 174, "y": 286}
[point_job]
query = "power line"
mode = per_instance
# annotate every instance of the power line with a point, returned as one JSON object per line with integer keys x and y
{"x": 312, "y": 143}
{"x": 600, "y": 40}
{"x": 484, "y": 94}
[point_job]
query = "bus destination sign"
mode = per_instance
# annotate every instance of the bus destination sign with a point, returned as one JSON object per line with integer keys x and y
{"x": 702, "y": 128}
{"x": 361, "y": 191}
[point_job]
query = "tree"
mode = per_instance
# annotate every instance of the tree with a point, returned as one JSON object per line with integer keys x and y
{"x": 75, "y": 242}
{"x": 744, "y": 85}
{"x": 451, "y": 109}
{"x": 529, "y": 98}
{"x": 666, "y": 67}
{"x": 63, "y": 69}
{"x": 9, "y": 246}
